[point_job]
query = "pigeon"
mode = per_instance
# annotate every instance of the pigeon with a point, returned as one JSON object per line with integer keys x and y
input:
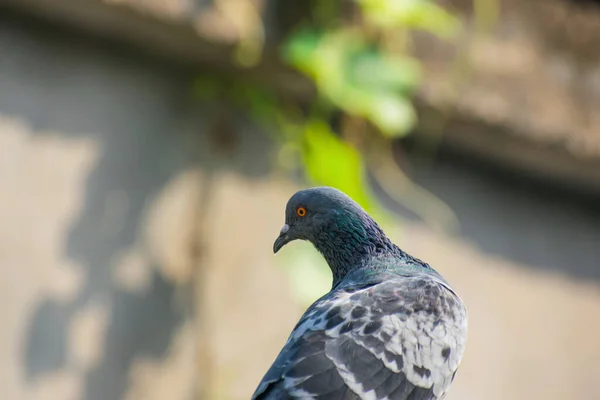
{"x": 390, "y": 328}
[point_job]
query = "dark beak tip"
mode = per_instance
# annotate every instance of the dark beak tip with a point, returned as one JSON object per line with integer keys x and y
{"x": 281, "y": 241}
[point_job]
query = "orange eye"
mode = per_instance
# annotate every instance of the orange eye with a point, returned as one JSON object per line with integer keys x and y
{"x": 301, "y": 211}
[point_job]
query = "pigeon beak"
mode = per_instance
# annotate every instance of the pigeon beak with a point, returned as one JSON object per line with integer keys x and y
{"x": 283, "y": 238}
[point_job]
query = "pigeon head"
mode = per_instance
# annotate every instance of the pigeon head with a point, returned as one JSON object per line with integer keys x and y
{"x": 336, "y": 225}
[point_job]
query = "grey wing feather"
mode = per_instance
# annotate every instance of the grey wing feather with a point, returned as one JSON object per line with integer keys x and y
{"x": 397, "y": 340}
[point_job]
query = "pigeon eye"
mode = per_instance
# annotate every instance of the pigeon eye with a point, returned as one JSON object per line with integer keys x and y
{"x": 301, "y": 211}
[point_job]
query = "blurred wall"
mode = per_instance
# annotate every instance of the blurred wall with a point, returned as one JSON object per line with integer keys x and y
{"x": 89, "y": 139}
{"x": 136, "y": 243}
{"x": 106, "y": 168}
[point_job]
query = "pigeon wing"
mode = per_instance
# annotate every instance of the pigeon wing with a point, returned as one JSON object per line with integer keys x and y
{"x": 398, "y": 340}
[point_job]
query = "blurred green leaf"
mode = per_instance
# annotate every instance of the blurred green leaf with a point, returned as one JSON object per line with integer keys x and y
{"x": 394, "y": 115}
{"x": 321, "y": 55}
{"x": 357, "y": 78}
{"x": 384, "y": 71}
{"x": 415, "y": 14}
{"x": 384, "y": 81}
{"x": 300, "y": 50}
{"x": 330, "y": 161}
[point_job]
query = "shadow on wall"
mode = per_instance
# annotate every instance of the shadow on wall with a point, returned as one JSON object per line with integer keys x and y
{"x": 517, "y": 218}
{"x": 148, "y": 129}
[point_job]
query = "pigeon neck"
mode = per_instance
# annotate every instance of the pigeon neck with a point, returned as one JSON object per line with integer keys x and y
{"x": 350, "y": 245}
